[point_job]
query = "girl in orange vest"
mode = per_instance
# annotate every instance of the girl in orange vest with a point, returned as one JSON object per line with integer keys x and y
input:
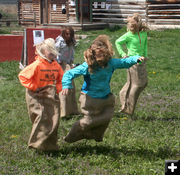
{"x": 42, "y": 79}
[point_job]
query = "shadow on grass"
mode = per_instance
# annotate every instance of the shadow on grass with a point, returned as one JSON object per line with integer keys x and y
{"x": 114, "y": 152}
{"x": 69, "y": 117}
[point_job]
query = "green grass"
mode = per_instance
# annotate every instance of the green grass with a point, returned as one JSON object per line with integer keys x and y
{"x": 137, "y": 145}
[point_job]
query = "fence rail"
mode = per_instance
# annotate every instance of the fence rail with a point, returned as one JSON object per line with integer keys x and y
{"x": 8, "y": 22}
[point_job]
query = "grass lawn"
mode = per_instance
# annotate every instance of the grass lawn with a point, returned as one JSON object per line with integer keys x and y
{"x": 133, "y": 145}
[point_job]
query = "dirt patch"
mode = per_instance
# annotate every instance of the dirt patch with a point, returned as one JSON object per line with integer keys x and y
{"x": 157, "y": 103}
{"x": 2, "y": 78}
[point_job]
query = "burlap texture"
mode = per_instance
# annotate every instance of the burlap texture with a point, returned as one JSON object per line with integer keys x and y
{"x": 68, "y": 103}
{"x": 43, "y": 108}
{"x": 97, "y": 115}
{"x": 136, "y": 81}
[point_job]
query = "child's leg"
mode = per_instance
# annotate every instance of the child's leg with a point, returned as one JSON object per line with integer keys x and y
{"x": 124, "y": 91}
{"x": 72, "y": 107}
{"x": 44, "y": 114}
{"x": 63, "y": 105}
{"x": 68, "y": 103}
{"x": 97, "y": 115}
{"x": 132, "y": 99}
{"x": 99, "y": 125}
{"x": 138, "y": 81}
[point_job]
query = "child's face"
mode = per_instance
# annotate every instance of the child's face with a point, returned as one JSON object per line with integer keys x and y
{"x": 67, "y": 34}
{"x": 100, "y": 59}
{"x": 50, "y": 56}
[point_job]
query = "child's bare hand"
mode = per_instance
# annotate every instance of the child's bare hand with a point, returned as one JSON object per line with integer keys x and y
{"x": 141, "y": 59}
{"x": 65, "y": 91}
{"x": 125, "y": 56}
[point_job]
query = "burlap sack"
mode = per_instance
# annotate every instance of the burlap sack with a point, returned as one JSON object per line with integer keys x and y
{"x": 97, "y": 115}
{"x": 136, "y": 81}
{"x": 43, "y": 109}
{"x": 68, "y": 103}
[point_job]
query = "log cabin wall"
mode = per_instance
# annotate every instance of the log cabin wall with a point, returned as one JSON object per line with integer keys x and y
{"x": 35, "y": 11}
{"x": 72, "y": 11}
{"x": 117, "y": 11}
{"x": 29, "y": 12}
{"x": 57, "y": 12}
{"x": 154, "y": 12}
{"x": 163, "y": 12}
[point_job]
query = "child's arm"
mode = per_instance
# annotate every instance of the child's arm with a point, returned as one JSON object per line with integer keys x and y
{"x": 145, "y": 47}
{"x": 65, "y": 91}
{"x": 26, "y": 77}
{"x": 126, "y": 63}
{"x": 119, "y": 42}
{"x": 58, "y": 42}
{"x": 71, "y": 74}
{"x": 72, "y": 55}
{"x": 59, "y": 80}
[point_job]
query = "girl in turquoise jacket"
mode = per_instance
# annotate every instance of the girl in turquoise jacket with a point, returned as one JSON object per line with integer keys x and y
{"x": 96, "y": 99}
{"x": 136, "y": 42}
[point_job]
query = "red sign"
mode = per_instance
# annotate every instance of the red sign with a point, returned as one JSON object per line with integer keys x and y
{"x": 11, "y": 46}
{"x": 48, "y": 33}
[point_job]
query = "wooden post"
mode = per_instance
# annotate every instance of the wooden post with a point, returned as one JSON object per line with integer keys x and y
{"x": 24, "y": 61}
{"x": 81, "y": 12}
{"x": 25, "y": 49}
{"x": 146, "y": 13}
{"x": 46, "y": 11}
{"x": 34, "y": 19}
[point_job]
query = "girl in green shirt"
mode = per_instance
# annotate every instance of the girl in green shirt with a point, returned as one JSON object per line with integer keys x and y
{"x": 136, "y": 42}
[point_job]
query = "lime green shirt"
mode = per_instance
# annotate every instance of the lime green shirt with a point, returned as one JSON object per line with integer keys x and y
{"x": 136, "y": 44}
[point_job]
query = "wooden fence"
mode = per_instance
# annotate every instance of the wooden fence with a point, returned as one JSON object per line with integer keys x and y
{"x": 8, "y": 21}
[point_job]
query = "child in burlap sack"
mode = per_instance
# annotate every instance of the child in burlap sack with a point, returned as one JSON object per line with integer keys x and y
{"x": 96, "y": 100}
{"x": 42, "y": 79}
{"x": 136, "y": 42}
{"x": 65, "y": 45}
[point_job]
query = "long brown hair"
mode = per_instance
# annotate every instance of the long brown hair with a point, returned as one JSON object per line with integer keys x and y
{"x": 100, "y": 45}
{"x": 135, "y": 24}
{"x": 71, "y": 40}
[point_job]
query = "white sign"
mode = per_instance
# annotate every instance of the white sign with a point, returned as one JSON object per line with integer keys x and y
{"x": 103, "y": 5}
{"x": 72, "y": 2}
{"x": 63, "y": 6}
{"x": 54, "y": 7}
{"x": 38, "y": 36}
{"x": 95, "y": 5}
{"x": 108, "y": 6}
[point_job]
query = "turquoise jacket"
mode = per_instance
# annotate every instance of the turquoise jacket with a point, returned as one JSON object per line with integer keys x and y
{"x": 97, "y": 84}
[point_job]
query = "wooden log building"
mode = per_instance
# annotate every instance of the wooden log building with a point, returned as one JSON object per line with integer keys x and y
{"x": 159, "y": 13}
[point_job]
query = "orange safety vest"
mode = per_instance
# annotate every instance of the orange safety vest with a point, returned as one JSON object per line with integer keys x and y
{"x": 41, "y": 73}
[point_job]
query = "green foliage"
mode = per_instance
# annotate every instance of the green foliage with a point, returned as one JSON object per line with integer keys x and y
{"x": 6, "y": 15}
{"x": 133, "y": 145}
{"x": 14, "y": 26}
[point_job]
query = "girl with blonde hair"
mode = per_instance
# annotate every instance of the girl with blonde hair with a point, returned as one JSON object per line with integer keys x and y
{"x": 96, "y": 100}
{"x": 42, "y": 80}
{"x": 136, "y": 42}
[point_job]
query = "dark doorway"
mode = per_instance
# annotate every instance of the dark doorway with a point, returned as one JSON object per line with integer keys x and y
{"x": 84, "y": 8}
{"x": 44, "y": 12}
